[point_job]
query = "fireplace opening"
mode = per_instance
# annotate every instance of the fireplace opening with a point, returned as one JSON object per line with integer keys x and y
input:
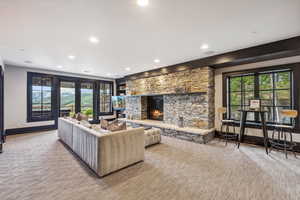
{"x": 156, "y": 108}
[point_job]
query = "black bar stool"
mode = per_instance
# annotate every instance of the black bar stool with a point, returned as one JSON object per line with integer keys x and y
{"x": 226, "y": 123}
{"x": 283, "y": 131}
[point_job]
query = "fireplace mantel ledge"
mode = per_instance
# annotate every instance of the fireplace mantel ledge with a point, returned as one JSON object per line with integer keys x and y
{"x": 160, "y": 124}
{"x": 140, "y": 95}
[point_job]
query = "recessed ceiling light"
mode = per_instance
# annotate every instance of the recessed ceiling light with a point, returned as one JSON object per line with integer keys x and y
{"x": 59, "y": 66}
{"x": 94, "y": 40}
{"x": 71, "y": 57}
{"x": 143, "y": 3}
{"x": 204, "y": 46}
{"x": 127, "y": 69}
{"x": 157, "y": 61}
{"x": 108, "y": 74}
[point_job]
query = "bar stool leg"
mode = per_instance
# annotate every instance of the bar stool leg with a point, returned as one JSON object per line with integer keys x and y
{"x": 221, "y": 135}
{"x": 271, "y": 147}
{"x": 285, "y": 151}
{"x": 279, "y": 134}
{"x": 292, "y": 143}
{"x": 226, "y": 135}
{"x": 234, "y": 134}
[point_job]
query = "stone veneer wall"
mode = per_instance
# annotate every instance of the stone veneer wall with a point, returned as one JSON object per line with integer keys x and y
{"x": 136, "y": 107}
{"x": 188, "y": 94}
{"x": 133, "y": 107}
{"x": 188, "y": 81}
{"x": 192, "y": 107}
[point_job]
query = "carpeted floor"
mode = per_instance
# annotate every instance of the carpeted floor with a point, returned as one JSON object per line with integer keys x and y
{"x": 38, "y": 167}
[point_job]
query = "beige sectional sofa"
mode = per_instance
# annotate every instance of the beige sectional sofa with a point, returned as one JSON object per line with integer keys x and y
{"x": 106, "y": 152}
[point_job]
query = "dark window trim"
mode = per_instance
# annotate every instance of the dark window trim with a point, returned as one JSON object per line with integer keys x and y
{"x": 55, "y": 103}
{"x": 30, "y": 117}
{"x": 112, "y": 94}
{"x": 295, "y": 89}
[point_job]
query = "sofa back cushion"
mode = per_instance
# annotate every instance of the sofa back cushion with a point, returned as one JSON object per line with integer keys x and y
{"x": 85, "y": 124}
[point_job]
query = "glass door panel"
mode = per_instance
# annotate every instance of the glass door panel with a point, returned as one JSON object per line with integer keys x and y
{"x": 86, "y": 99}
{"x": 67, "y": 98}
{"x": 105, "y": 97}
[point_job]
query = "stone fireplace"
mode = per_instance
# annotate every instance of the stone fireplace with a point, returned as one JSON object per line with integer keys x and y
{"x": 155, "y": 106}
{"x": 185, "y": 97}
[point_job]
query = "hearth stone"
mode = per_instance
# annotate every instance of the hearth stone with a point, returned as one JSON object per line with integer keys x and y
{"x": 192, "y": 137}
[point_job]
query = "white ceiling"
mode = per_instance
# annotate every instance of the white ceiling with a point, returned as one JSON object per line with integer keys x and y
{"x": 47, "y": 32}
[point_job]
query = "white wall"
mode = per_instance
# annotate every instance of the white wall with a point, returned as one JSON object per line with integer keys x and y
{"x": 219, "y": 85}
{"x": 15, "y": 96}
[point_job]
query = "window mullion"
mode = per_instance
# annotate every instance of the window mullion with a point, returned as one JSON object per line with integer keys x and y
{"x": 242, "y": 92}
{"x": 256, "y": 94}
{"x": 228, "y": 99}
{"x": 42, "y": 98}
{"x": 274, "y": 97}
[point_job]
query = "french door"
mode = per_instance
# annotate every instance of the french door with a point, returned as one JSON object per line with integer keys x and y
{"x": 77, "y": 96}
{"x": 67, "y": 98}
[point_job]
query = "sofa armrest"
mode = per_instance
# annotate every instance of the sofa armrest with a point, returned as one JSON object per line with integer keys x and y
{"x": 65, "y": 131}
{"x": 120, "y": 149}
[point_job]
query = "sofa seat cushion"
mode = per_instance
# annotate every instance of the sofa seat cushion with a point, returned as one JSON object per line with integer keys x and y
{"x": 152, "y": 136}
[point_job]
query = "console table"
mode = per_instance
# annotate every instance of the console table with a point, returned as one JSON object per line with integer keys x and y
{"x": 263, "y": 126}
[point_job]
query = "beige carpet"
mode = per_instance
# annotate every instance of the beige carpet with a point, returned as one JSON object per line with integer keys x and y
{"x": 38, "y": 166}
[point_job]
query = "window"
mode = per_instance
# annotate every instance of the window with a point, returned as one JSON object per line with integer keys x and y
{"x": 274, "y": 88}
{"x": 52, "y": 96}
{"x": 86, "y": 99}
{"x": 105, "y": 93}
{"x": 67, "y": 98}
{"x": 40, "y": 92}
{"x": 241, "y": 91}
{"x": 275, "y": 93}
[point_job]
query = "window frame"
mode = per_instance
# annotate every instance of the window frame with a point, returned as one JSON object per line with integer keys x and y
{"x": 94, "y": 83}
{"x": 274, "y": 89}
{"x": 30, "y": 118}
{"x": 228, "y": 91}
{"x": 66, "y": 79}
{"x": 55, "y": 95}
{"x": 98, "y": 98}
{"x": 293, "y": 68}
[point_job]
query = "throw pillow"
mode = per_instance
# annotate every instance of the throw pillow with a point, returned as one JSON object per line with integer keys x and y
{"x": 104, "y": 124}
{"x": 117, "y": 127}
{"x": 81, "y": 116}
